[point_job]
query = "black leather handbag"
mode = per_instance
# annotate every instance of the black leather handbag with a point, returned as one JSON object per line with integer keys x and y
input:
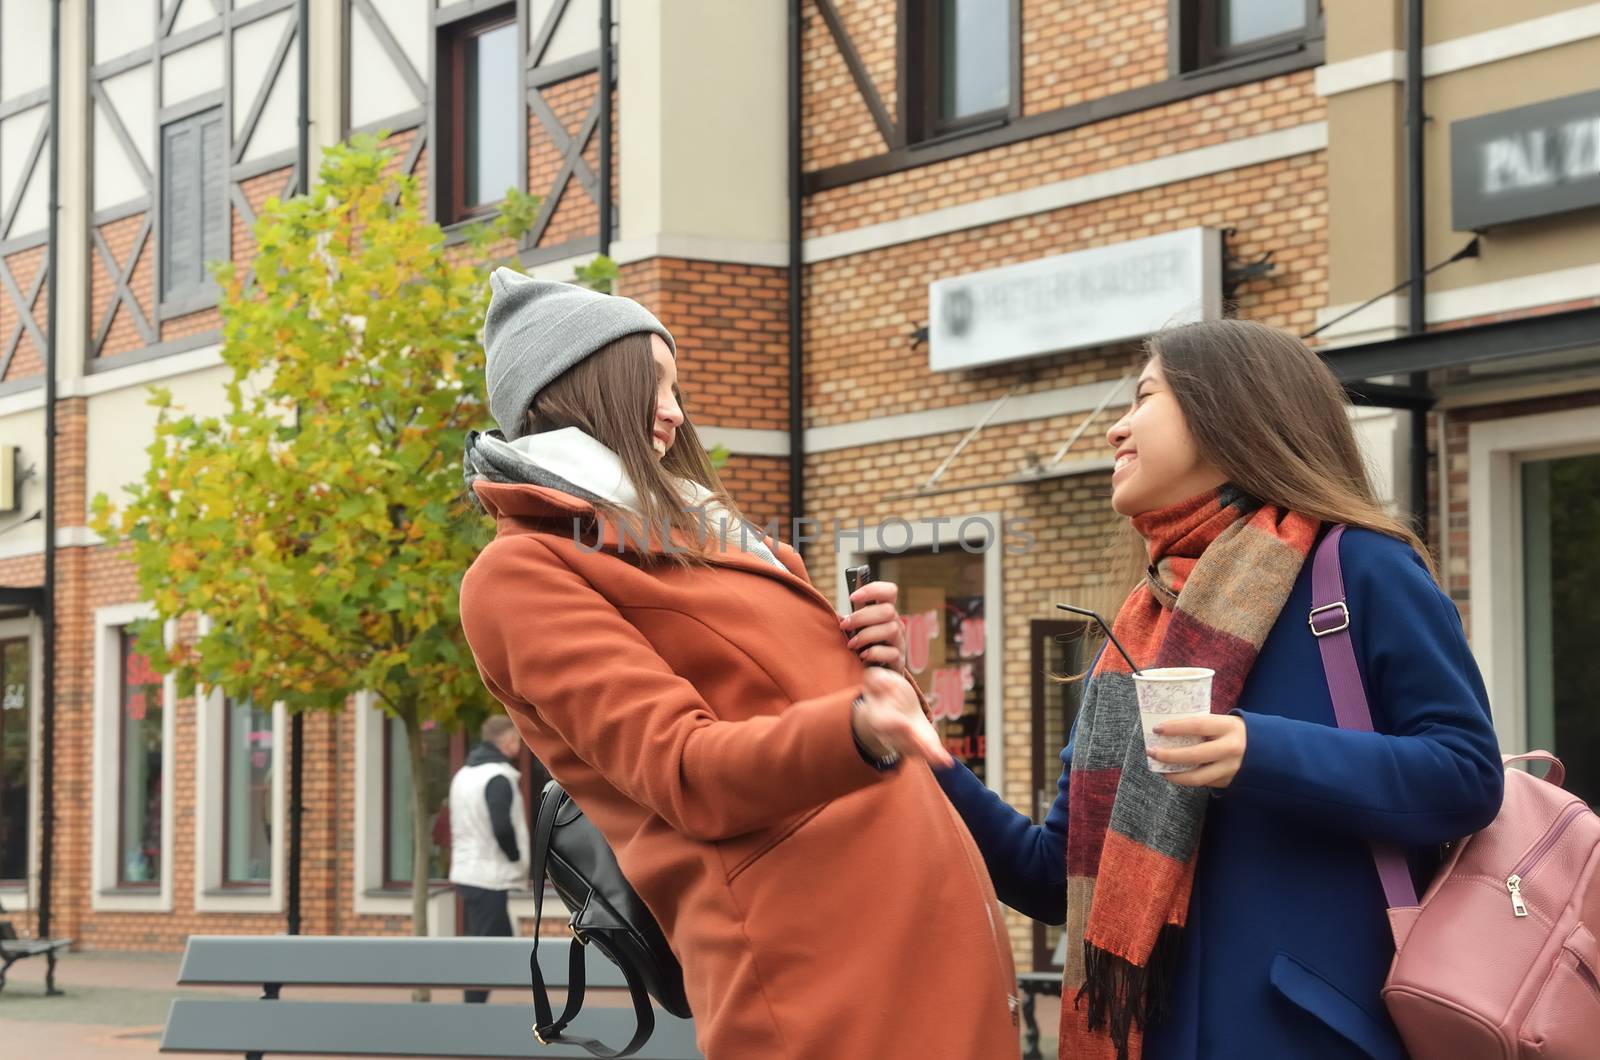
{"x": 606, "y": 913}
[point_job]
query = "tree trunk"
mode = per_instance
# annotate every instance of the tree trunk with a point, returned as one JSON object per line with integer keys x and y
{"x": 421, "y": 834}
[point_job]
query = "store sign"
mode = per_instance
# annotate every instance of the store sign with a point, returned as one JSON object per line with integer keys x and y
{"x": 1071, "y": 301}
{"x": 1528, "y": 162}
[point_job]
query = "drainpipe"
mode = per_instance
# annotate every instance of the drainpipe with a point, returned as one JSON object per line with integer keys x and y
{"x": 606, "y": 75}
{"x": 1416, "y": 238}
{"x": 797, "y": 447}
{"x": 47, "y": 722}
{"x": 297, "y": 724}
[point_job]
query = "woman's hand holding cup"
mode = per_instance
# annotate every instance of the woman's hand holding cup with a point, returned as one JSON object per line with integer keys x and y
{"x": 889, "y": 720}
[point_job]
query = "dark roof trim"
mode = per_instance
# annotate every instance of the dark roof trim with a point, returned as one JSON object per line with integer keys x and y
{"x": 1527, "y": 337}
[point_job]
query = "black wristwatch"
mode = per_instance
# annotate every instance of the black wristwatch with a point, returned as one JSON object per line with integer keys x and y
{"x": 883, "y": 764}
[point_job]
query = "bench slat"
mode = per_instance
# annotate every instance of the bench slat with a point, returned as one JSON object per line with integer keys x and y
{"x": 374, "y": 1028}
{"x": 318, "y": 960}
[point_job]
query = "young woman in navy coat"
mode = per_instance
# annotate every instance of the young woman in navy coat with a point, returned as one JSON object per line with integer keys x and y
{"x": 1233, "y": 911}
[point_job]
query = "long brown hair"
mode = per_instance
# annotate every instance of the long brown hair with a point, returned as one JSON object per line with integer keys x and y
{"x": 611, "y": 396}
{"x": 1266, "y": 412}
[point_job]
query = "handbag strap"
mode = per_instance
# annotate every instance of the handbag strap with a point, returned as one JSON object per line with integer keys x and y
{"x": 1330, "y": 624}
{"x": 547, "y": 1029}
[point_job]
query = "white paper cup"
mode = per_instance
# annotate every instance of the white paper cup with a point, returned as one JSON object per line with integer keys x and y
{"x": 1169, "y": 692}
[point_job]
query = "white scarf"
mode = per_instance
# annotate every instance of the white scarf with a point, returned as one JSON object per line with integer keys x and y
{"x": 573, "y": 456}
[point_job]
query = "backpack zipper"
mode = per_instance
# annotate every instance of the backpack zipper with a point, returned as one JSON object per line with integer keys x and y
{"x": 1532, "y": 858}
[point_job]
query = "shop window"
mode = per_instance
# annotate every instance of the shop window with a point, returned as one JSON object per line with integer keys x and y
{"x": 141, "y": 761}
{"x": 942, "y": 606}
{"x": 16, "y": 720}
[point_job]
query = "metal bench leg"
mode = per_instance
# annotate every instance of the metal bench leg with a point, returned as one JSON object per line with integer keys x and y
{"x": 4, "y": 968}
{"x": 50, "y": 976}
{"x": 1030, "y": 1021}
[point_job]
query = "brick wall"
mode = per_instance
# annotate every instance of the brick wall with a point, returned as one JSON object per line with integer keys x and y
{"x": 29, "y": 357}
{"x": 862, "y": 309}
{"x": 123, "y": 336}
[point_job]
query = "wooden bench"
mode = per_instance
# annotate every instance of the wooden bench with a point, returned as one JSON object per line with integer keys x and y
{"x": 270, "y": 1024}
{"x": 14, "y": 950}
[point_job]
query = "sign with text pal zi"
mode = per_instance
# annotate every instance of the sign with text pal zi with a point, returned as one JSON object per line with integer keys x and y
{"x": 1528, "y": 162}
{"x": 1071, "y": 301}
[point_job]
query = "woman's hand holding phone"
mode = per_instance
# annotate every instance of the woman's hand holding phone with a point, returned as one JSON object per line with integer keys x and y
{"x": 874, "y": 626}
{"x": 889, "y": 720}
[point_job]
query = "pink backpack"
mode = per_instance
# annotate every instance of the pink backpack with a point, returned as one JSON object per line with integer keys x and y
{"x": 1499, "y": 959}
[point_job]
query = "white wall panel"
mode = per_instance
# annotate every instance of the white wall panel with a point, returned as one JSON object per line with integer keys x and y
{"x": 24, "y": 46}
{"x": 578, "y": 33}
{"x": 194, "y": 71}
{"x": 277, "y": 129}
{"x": 122, "y": 26}
{"x": 16, "y": 139}
{"x": 193, "y": 13}
{"x": 377, "y": 90}
{"x": 253, "y": 47}
{"x": 410, "y": 23}
{"x": 33, "y": 211}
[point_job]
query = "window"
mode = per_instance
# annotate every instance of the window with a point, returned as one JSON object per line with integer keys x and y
{"x": 480, "y": 103}
{"x": 961, "y": 65}
{"x": 942, "y": 607}
{"x": 247, "y": 794}
{"x": 1216, "y": 32}
{"x": 140, "y": 764}
{"x": 397, "y": 839}
{"x": 193, "y": 210}
{"x": 16, "y": 718}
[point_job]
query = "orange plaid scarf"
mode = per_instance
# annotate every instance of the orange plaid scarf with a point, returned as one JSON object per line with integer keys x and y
{"x": 1222, "y": 566}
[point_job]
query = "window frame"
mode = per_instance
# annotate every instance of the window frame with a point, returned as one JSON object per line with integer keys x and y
{"x": 105, "y": 795}
{"x": 191, "y": 298}
{"x": 920, "y": 78}
{"x": 1195, "y": 48}
{"x": 451, "y": 48}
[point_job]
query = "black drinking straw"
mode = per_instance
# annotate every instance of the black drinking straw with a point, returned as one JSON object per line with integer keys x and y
{"x": 1086, "y": 613}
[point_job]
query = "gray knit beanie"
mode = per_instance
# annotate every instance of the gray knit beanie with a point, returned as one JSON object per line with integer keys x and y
{"x": 537, "y": 329}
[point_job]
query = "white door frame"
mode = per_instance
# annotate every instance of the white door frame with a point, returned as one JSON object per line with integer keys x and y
{"x": 1497, "y": 449}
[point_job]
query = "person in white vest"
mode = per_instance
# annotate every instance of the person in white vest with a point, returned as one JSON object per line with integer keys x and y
{"x": 489, "y": 833}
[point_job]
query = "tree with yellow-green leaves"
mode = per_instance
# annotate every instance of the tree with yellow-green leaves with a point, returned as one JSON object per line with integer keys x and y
{"x": 321, "y": 523}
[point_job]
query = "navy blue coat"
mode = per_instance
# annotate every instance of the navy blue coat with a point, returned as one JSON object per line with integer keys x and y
{"x": 1287, "y": 943}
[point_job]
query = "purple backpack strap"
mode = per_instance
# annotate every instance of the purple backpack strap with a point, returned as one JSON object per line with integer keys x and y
{"x": 1330, "y": 624}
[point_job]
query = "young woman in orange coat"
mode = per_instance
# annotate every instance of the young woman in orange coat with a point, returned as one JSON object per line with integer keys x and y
{"x": 767, "y": 795}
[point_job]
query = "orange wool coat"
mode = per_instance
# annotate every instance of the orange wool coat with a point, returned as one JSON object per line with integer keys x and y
{"x": 701, "y": 719}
